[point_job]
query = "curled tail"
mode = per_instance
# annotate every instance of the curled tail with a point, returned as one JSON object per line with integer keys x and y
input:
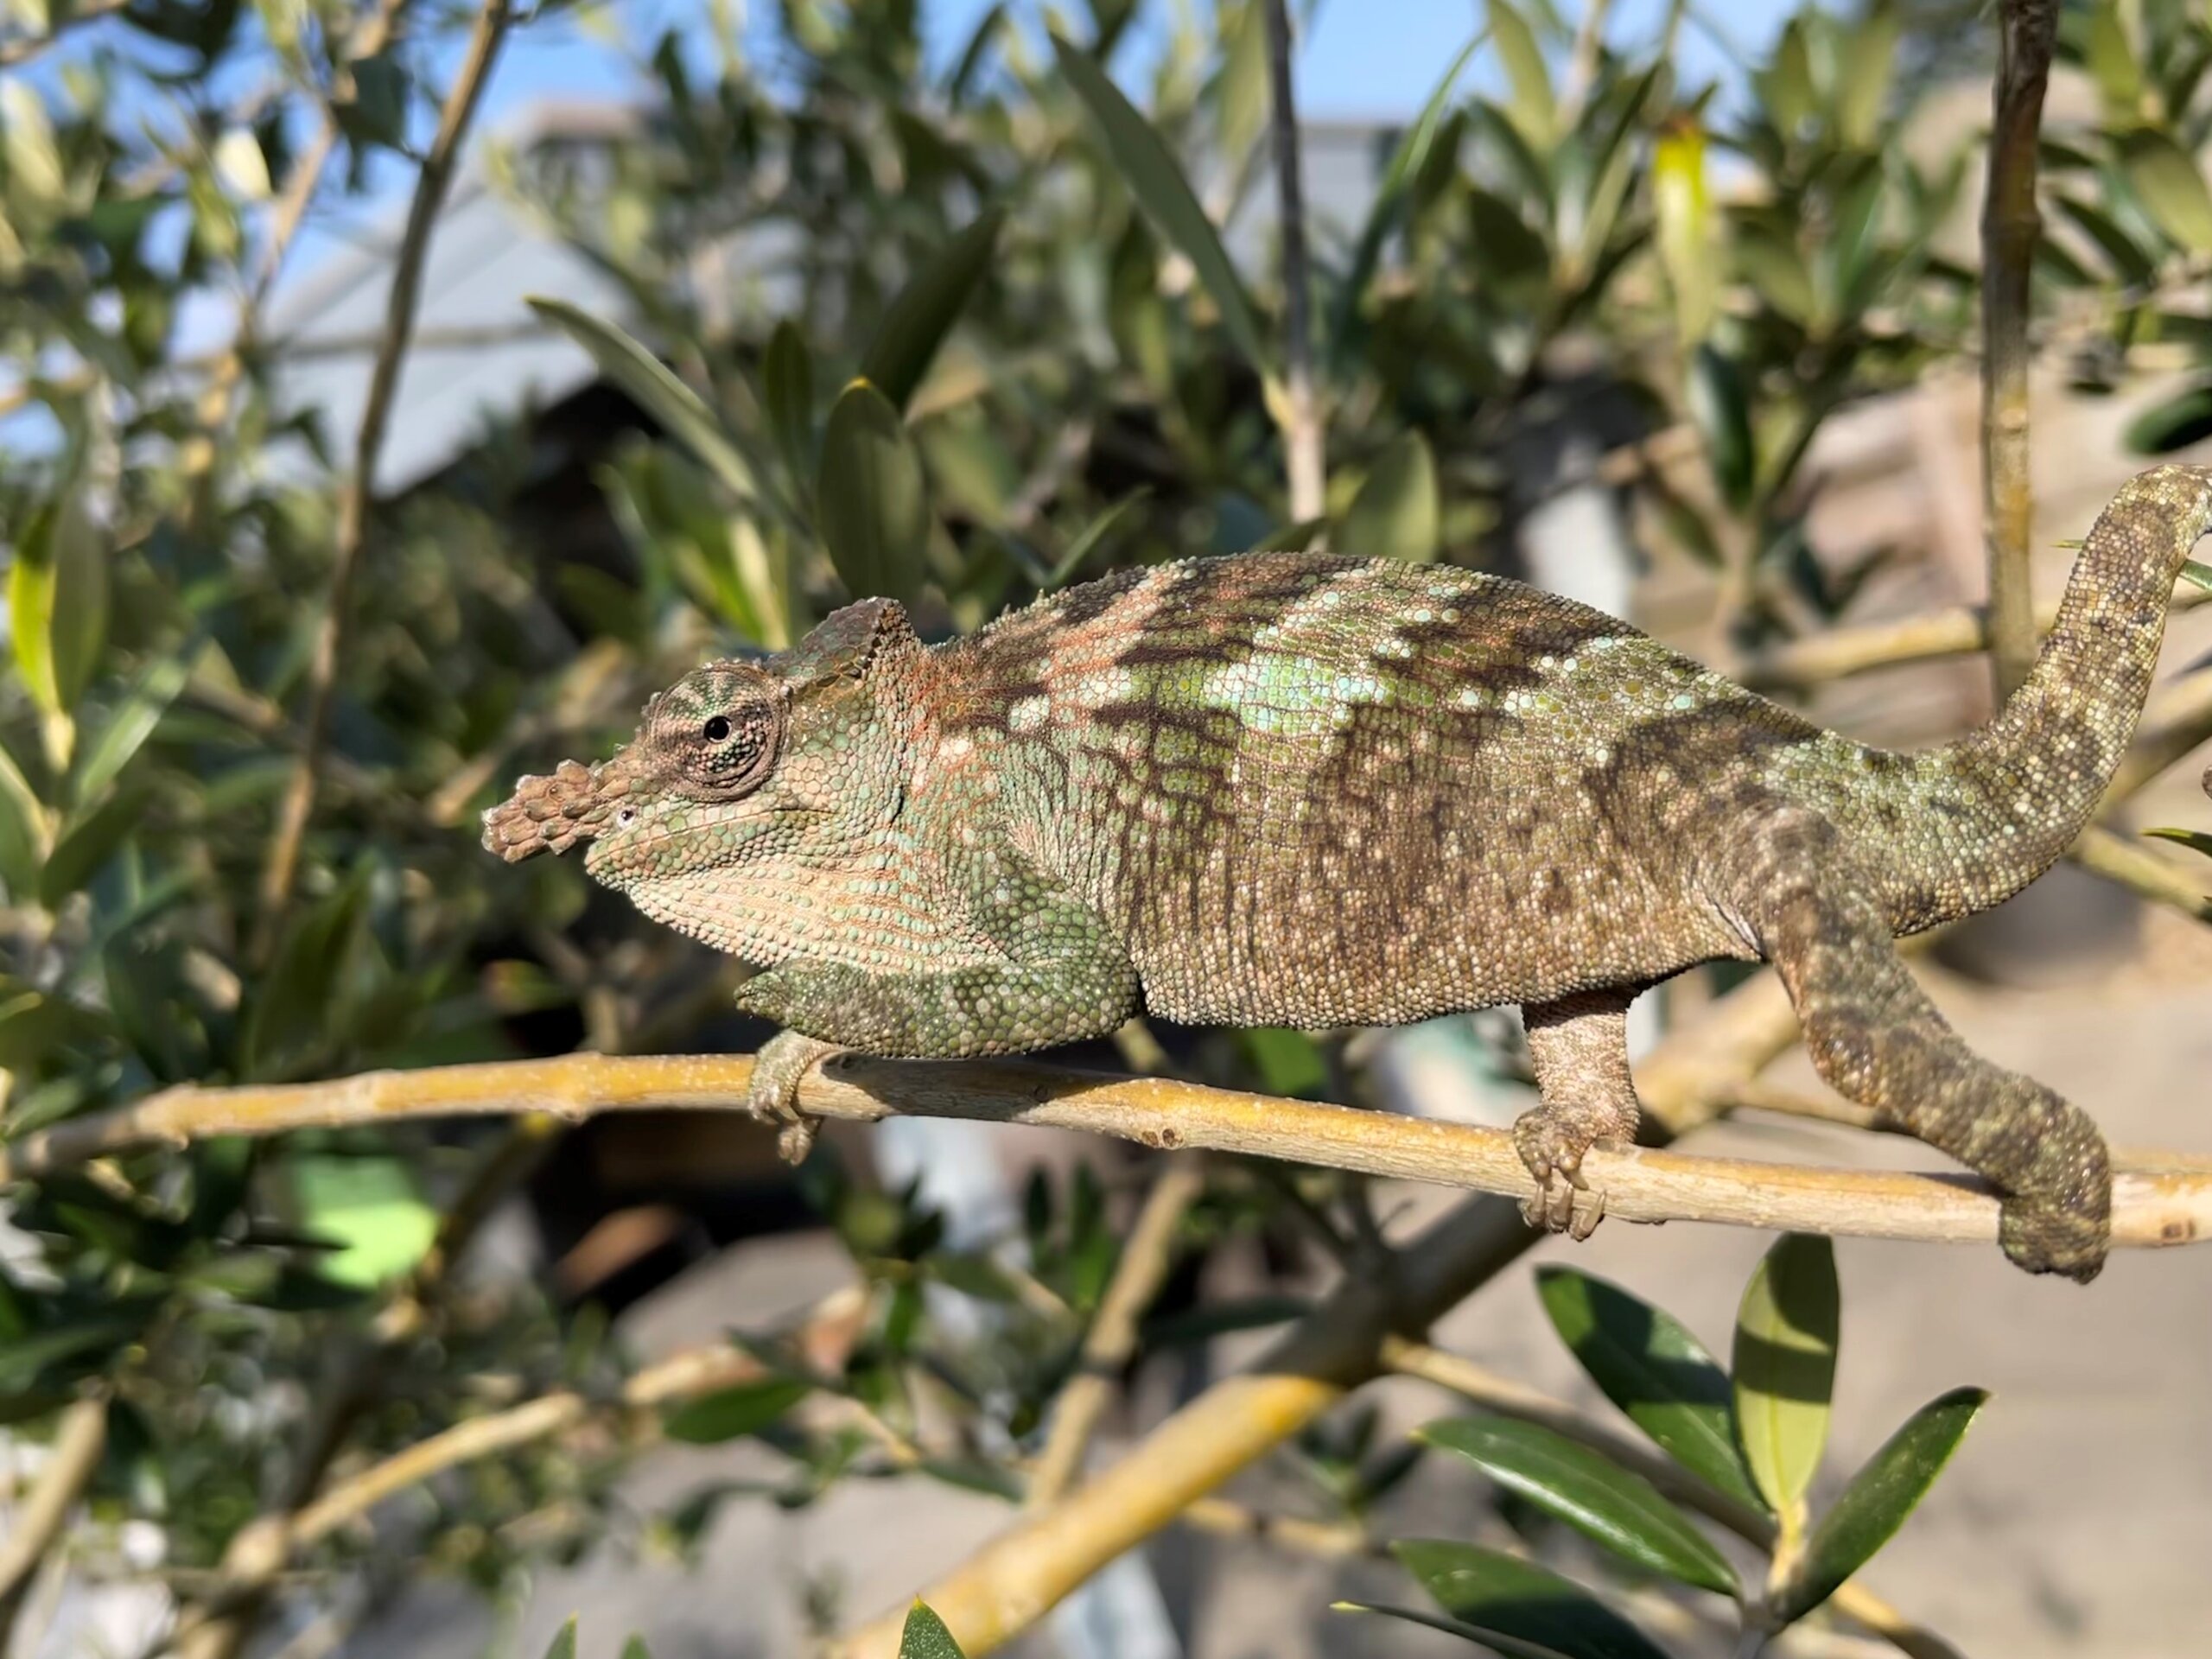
{"x": 1965, "y": 826}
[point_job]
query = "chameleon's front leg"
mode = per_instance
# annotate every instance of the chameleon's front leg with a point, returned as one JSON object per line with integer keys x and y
{"x": 1065, "y": 981}
{"x": 1578, "y": 1046}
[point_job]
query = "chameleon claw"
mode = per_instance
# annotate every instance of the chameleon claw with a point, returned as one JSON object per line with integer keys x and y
{"x": 1564, "y": 1201}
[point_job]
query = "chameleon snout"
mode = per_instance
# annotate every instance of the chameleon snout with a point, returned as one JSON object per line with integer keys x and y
{"x": 551, "y": 814}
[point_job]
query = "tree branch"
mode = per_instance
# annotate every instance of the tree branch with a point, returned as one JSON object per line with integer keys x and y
{"x": 1146, "y": 1257}
{"x": 1303, "y": 439}
{"x": 75, "y": 1458}
{"x": 297, "y": 804}
{"x": 2010, "y": 225}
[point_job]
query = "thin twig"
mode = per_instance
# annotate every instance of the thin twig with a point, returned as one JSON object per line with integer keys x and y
{"x": 2143, "y": 872}
{"x": 297, "y": 804}
{"x": 74, "y": 1458}
{"x": 2010, "y": 223}
{"x": 1510, "y": 1399}
{"x": 1112, "y": 1339}
{"x": 1303, "y": 440}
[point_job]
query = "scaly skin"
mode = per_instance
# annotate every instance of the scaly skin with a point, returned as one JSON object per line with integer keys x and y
{"x": 1290, "y": 789}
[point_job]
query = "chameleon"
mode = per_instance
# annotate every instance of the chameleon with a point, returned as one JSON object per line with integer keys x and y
{"x": 1315, "y": 790}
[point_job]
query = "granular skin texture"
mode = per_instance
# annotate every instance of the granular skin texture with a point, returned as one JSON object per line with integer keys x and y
{"x": 1287, "y": 789}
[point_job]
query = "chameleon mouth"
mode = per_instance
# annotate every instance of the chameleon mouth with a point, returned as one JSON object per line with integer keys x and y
{"x": 551, "y": 814}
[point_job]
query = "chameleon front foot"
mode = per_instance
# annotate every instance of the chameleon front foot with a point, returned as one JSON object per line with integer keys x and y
{"x": 772, "y": 1094}
{"x": 1551, "y": 1140}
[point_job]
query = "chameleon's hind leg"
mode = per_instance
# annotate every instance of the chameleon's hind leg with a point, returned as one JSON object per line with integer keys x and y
{"x": 1579, "y": 1048}
{"x": 1877, "y": 1038}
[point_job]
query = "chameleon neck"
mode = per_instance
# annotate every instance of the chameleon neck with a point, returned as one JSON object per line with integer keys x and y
{"x": 1967, "y": 825}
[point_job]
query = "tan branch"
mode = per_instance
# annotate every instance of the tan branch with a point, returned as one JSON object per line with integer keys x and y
{"x": 1147, "y": 1256}
{"x": 2143, "y": 872}
{"x": 297, "y": 804}
{"x": 2010, "y": 225}
{"x": 1510, "y": 1399}
{"x": 1803, "y": 663}
{"x": 73, "y": 1460}
{"x": 1300, "y": 417}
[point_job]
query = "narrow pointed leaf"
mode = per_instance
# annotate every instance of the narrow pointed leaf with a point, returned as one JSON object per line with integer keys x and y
{"x": 564, "y": 1645}
{"x": 906, "y": 340}
{"x": 679, "y": 410}
{"x": 1520, "y": 1599}
{"x": 871, "y": 499}
{"x": 1879, "y": 1497}
{"x": 1158, "y": 183}
{"x": 2131, "y": 263}
{"x": 2163, "y": 177}
{"x": 728, "y": 1414}
{"x": 2195, "y": 840}
{"x": 1406, "y": 164}
{"x": 1094, "y": 534}
{"x": 925, "y": 1636}
{"x": 1590, "y": 1492}
{"x": 1510, "y": 1647}
{"x": 130, "y": 725}
{"x": 24, "y": 836}
{"x": 787, "y": 391}
{"x": 1396, "y": 514}
{"x": 1683, "y": 205}
{"x": 1869, "y": 60}
{"x": 87, "y": 842}
{"x": 635, "y": 1649}
{"x": 2175, "y": 423}
{"x": 1649, "y": 1364}
{"x": 1722, "y": 411}
{"x": 1535, "y": 111}
{"x": 1785, "y": 1366}
{"x": 79, "y": 622}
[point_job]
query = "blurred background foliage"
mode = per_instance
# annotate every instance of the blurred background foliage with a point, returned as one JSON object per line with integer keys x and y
{"x": 979, "y": 338}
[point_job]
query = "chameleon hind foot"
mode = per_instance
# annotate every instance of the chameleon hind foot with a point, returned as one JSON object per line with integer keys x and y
{"x": 1579, "y": 1047}
{"x": 772, "y": 1094}
{"x": 1551, "y": 1140}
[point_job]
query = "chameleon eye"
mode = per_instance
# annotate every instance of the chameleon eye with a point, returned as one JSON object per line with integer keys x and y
{"x": 717, "y": 730}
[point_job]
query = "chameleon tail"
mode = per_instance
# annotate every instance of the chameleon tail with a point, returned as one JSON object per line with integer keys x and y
{"x": 1967, "y": 825}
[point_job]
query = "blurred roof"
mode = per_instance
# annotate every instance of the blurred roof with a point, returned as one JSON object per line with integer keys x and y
{"x": 478, "y": 352}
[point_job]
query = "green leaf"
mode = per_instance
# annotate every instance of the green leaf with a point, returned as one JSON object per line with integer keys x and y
{"x": 1512, "y": 1647}
{"x": 79, "y": 620}
{"x": 2112, "y": 63}
{"x": 1534, "y": 111}
{"x": 679, "y": 410}
{"x": 2177, "y": 422}
{"x": 130, "y": 725}
{"x": 1150, "y": 171}
{"x": 2195, "y": 840}
{"x": 87, "y": 842}
{"x": 1590, "y": 1492}
{"x": 1513, "y": 262}
{"x": 1649, "y": 1364}
{"x": 1869, "y": 54}
{"x": 1515, "y": 1599}
{"x": 1683, "y": 205}
{"x": 907, "y": 338}
{"x": 1093, "y": 535}
{"x": 24, "y": 832}
{"x": 787, "y": 390}
{"x": 635, "y": 1649}
{"x": 728, "y": 1414}
{"x": 925, "y": 1637}
{"x": 1776, "y": 269}
{"x": 1785, "y": 1367}
{"x": 2129, "y": 262}
{"x": 1718, "y": 405}
{"x": 1406, "y": 164}
{"x": 1299, "y": 536}
{"x": 870, "y": 497}
{"x": 2164, "y": 178}
{"x": 564, "y": 1645}
{"x": 1878, "y": 1499}
{"x": 1396, "y": 514}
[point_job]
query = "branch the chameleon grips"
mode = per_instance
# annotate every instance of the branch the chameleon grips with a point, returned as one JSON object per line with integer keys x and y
{"x": 1282, "y": 789}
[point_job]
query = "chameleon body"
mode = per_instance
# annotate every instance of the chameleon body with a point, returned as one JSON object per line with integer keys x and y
{"x": 1284, "y": 789}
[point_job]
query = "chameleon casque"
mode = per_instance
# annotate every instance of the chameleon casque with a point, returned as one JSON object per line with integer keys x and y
{"x": 1297, "y": 790}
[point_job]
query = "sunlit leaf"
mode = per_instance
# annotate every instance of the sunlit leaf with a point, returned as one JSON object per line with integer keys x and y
{"x": 1516, "y": 1599}
{"x": 2112, "y": 63}
{"x": 565, "y": 1644}
{"x": 870, "y": 497}
{"x": 1158, "y": 184}
{"x": 1683, "y": 205}
{"x": 1722, "y": 410}
{"x": 911, "y": 330}
{"x": 2195, "y": 840}
{"x": 1649, "y": 1364}
{"x": 1785, "y": 1367}
{"x": 924, "y": 1636}
{"x": 1870, "y": 55}
{"x": 1396, "y": 514}
{"x": 2164, "y": 178}
{"x": 1876, "y": 1503}
{"x": 1092, "y": 537}
{"x": 1534, "y": 109}
{"x": 728, "y": 1413}
{"x": 1590, "y": 1492}
{"x": 678, "y": 409}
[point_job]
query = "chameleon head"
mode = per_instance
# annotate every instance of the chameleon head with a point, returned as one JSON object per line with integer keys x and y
{"x": 755, "y": 773}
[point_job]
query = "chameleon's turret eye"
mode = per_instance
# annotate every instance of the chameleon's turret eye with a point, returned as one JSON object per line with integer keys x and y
{"x": 714, "y": 734}
{"x": 716, "y": 729}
